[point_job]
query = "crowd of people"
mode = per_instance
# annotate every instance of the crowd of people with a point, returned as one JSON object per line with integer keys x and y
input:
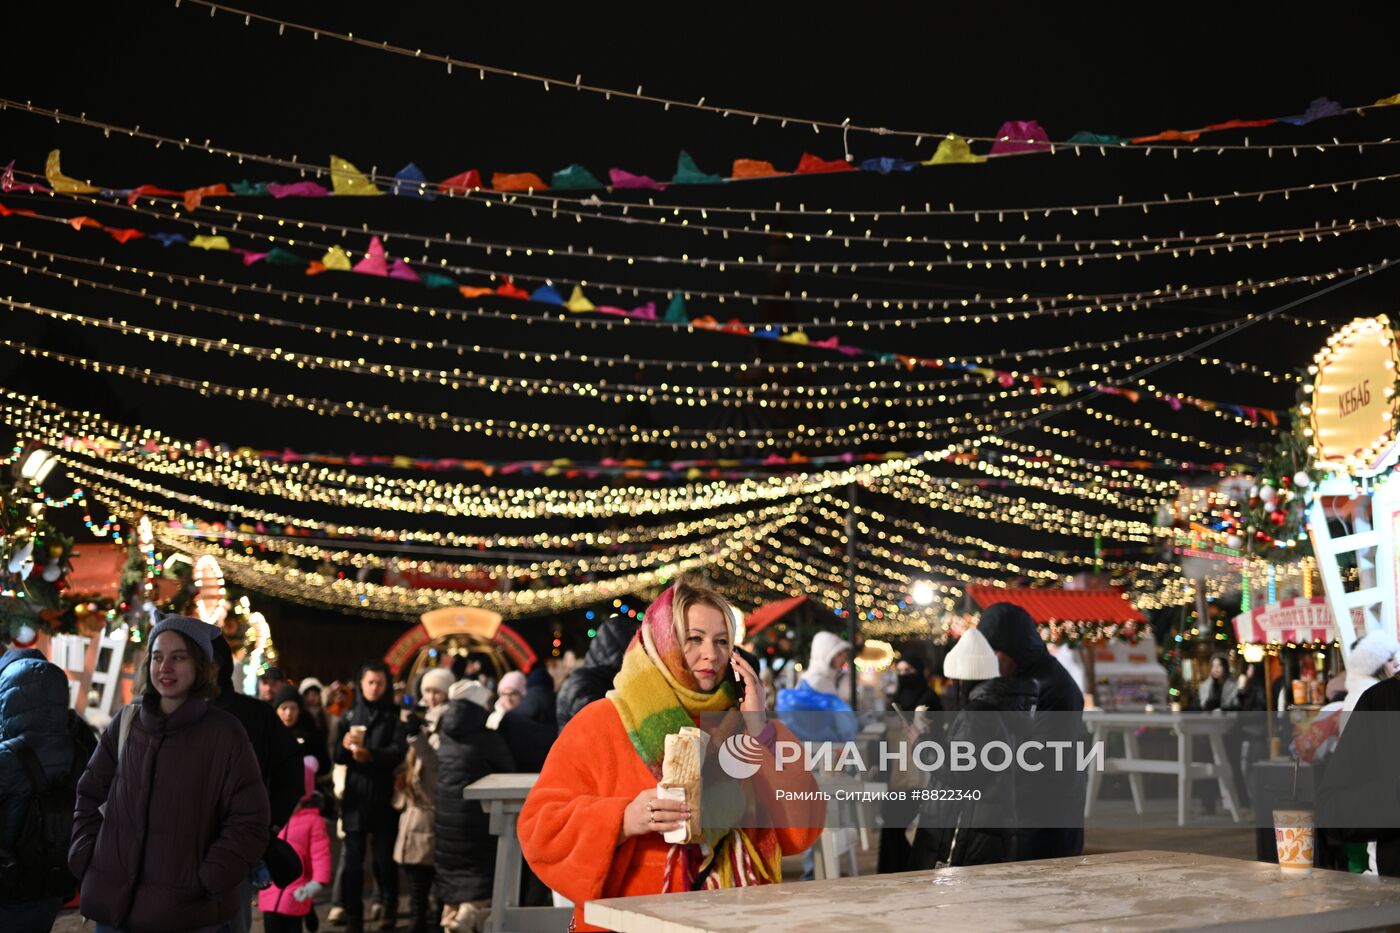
{"x": 198, "y": 807}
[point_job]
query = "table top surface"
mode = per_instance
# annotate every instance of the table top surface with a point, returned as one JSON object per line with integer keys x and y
{"x": 503, "y": 786}
{"x": 1141, "y": 891}
{"x": 1198, "y": 722}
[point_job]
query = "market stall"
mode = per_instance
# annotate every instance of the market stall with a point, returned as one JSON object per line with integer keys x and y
{"x": 1089, "y": 627}
{"x": 459, "y": 630}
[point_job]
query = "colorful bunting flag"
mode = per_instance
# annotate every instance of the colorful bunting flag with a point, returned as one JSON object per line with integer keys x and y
{"x": 577, "y": 302}
{"x": 953, "y": 150}
{"x": 813, "y": 165}
{"x": 688, "y": 173}
{"x": 374, "y": 262}
{"x": 1020, "y": 136}
{"x": 575, "y": 176}
{"x": 754, "y": 168}
{"x": 61, "y": 182}
{"x": 523, "y": 181}
{"x": 410, "y": 182}
{"x": 346, "y": 180}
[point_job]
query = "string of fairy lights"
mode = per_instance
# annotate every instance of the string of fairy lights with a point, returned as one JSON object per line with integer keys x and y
{"x": 1111, "y": 246}
{"x": 578, "y": 85}
{"x": 769, "y": 533}
{"x": 555, "y": 357}
{"x": 1042, "y": 306}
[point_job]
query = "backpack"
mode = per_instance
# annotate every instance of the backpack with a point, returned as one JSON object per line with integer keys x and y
{"x": 37, "y": 867}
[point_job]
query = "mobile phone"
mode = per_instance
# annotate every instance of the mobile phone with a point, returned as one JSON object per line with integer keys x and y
{"x": 734, "y": 673}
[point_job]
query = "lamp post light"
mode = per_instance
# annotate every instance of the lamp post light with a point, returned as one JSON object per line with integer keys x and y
{"x": 37, "y": 466}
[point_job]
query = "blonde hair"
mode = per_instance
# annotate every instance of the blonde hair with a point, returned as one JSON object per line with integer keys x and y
{"x": 696, "y": 591}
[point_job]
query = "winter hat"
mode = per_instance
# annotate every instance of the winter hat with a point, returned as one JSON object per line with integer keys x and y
{"x": 512, "y": 680}
{"x": 201, "y": 633}
{"x": 472, "y": 690}
{"x": 439, "y": 678}
{"x": 287, "y": 694}
{"x": 272, "y": 674}
{"x": 819, "y": 675}
{"x": 1370, "y": 653}
{"x": 971, "y": 658}
{"x": 311, "y": 683}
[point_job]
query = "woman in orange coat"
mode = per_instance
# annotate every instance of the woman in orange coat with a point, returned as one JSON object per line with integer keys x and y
{"x": 592, "y": 826}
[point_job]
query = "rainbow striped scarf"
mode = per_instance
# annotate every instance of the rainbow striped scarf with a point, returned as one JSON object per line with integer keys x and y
{"x": 655, "y": 695}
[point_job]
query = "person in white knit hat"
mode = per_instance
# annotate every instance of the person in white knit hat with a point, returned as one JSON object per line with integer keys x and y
{"x": 992, "y": 708}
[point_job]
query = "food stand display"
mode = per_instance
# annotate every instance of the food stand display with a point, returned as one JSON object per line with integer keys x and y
{"x": 459, "y": 630}
{"x": 1350, "y": 430}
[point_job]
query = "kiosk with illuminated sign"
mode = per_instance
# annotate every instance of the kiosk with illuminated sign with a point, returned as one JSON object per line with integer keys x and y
{"x": 1351, "y": 411}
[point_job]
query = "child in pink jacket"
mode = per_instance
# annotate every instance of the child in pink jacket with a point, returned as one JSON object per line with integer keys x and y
{"x": 284, "y": 909}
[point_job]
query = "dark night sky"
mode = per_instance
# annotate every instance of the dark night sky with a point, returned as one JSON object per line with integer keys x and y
{"x": 1111, "y": 68}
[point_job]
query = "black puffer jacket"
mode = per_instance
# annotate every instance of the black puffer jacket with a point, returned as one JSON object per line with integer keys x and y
{"x": 1359, "y": 798}
{"x": 539, "y": 702}
{"x": 368, "y": 802}
{"x": 592, "y": 679}
{"x": 465, "y": 850}
{"x": 977, "y": 832}
{"x": 279, "y": 756}
{"x": 34, "y": 705}
{"x": 1059, "y": 709}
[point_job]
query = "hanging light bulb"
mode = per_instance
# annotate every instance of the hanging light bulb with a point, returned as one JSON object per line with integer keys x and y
{"x": 53, "y": 570}
{"x": 922, "y": 592}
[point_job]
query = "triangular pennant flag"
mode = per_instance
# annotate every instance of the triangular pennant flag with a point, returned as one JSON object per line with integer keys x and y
{"x": 438, "y": 280}
{"x": 1020, "y": 136}
{"x": 575, "y": 176}
{"x": 410, "y": 182}
{"x": 8, "y": 183}
{"x": 124, "y": 234}
{"x": 473, "y": 291}
{"x": 209, "y": 242}
{"x": 646, "y": 312}
{"x": 675, "y": 311}
{"x": 249, "y": 257}
{"x": 511, "y": 290}
{"x": 522, "y": 181}
{"x": 623, "y": 179}
{"x": 812, "y": 165}
{"x": 1391, "y": 101}
{"x": 336, "y": 259}
{"x": 1086, "y": 138}
{"x": 1189, "y": 136}
{"x": 884, "y": 165}
{"x": 754, "y": 168}
{"x": 1317, "y": 110}
{"x": 297, "y": 189}
{"x": 195, "y": 196}
{"x": 953, "y": 150}
{"x": 688, "y": 173}
{"x": 250, "y": 189}
{"x": 279, "y": 257}
{"x": 61, "y": 182}
{"x": 546, "y": 294}
{"x": 402, "y": 270}
{"x": 577, "y": 302}
{"x": 796, "y": 336}
{"x": 315, "y": 267}
{"x": 346, "y": 180}
{"x": 78, "y": 223}
{"x": 169, "y": 239}
{"x": 374, "y": 262}
{"x": 469, "y": 180}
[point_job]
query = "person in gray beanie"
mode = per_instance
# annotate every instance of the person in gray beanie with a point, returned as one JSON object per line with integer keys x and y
{"x": 174, "y": 761}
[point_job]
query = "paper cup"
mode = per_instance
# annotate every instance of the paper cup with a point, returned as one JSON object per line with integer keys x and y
{"x": 1293, "y": 834}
